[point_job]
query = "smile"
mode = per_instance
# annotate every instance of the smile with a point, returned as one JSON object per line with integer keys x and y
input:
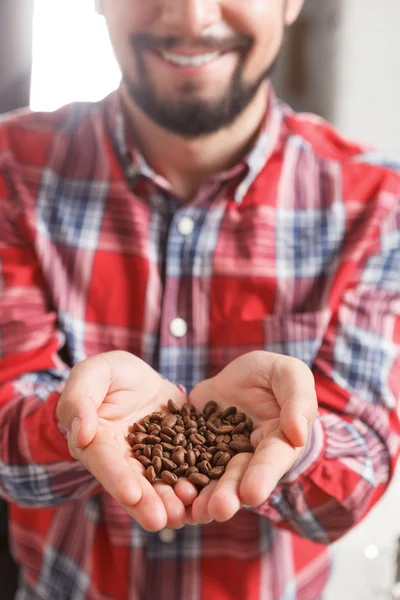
{"x": 197, "y": 60}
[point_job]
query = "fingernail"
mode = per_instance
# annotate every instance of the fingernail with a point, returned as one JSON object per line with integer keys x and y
{"x": 303, "y": 423}
{"x": 75, "y": 428}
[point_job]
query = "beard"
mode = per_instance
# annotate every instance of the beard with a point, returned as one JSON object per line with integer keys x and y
{"x": 187, "y": 114}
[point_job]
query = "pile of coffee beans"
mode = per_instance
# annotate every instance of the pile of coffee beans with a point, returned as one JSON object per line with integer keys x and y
{"x": 188, "y": 443}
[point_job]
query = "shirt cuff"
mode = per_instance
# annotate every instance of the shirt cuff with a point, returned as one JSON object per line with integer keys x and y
{"x": 312, "y": 451}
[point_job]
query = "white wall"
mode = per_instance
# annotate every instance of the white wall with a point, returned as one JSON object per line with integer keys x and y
{"x": 367, "y": 88}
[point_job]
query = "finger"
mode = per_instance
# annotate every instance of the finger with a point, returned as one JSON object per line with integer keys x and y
{"x": 273, "y": 457}
{"x": 174, "y": 507}
{"x": 225, "y": 500}
{"x": 186, "y": 491}
{"x": 294, "y": 388}
{"x": 84, "y": 392}
{"x": 150, "y": 511}
{"x": 200, "y": 514}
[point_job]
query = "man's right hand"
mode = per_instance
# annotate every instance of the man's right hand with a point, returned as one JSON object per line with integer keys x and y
{"x": 103, "y": 397}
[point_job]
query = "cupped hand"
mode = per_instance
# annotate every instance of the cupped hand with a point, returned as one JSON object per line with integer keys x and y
{"x": 103, "y": 397}
{"x": 277, "y": 392}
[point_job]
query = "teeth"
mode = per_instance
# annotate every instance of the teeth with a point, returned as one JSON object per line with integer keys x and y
{"x": 190, "y": 61}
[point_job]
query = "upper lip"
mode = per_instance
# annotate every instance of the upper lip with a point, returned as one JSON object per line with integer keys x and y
{"x": 192, "y": 52}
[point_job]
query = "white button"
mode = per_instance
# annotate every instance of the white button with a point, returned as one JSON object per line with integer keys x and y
{"x": 167, "y": 536}
{"x": 186, "y": 226}
{"x": 178, "y": 328}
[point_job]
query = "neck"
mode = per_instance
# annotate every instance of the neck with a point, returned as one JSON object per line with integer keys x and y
{"x": 186, "y": 163}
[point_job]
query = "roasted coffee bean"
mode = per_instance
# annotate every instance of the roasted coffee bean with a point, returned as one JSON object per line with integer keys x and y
{"x": 178, "y": 439}
{"x": 131, "y": 439}
{"x": 181, "y": 470}
{"x": 201, "y": 448}
{"x": 137, "y": 427}
{"x": 205, "y": 456}
{"x": 216, "y": 472}
{"x": 212, "y": 450}
{"x": 151, "y": 474}
{"x": 152, "y": 439}
{"x": 166, "y": 454}
{"x": 178, "y": 457}
{"x": 202, "y": 430}
{"x": 146, "y": 421}
{"x": 166, "y": 438}
{"x": 219, "y": 439}
{"x": 224, "y": 447}
{"x": 168, "y": 464}
{"x": 201, "y": 421}
{"x": 197, "y": 452}
{"x": 169, "y": 431}
{"x": 179, "y": 429}
{"x": 249, "y": 424}
{"x": 169, "y": 477}
{"x": 192, "y": 423}
{"x": 209, "y": 408}
{"x": 147, "y": 452}
{"x": 228, "y": 412}
{"x": 186, "y": 421}
{"x": 216, "y": 457}
{"x": 241, "y": 446}
{"x": 156, "y": 452}
{"x": 210, "y": 437}
{"x": 191, "y": 458}
{"x": 154, "y": 429}
{"x": 204, "y": 467}
{"x": 213, "y": 428}
{"x": 240, "y": 428}
{"x": 226, "y": 429}
{"x": 146, "y": 462}
{"x": 179, "y": 422}
{"x": 158, "y": 447}
{"x": 186, "y": 409}
{"x": 137, "y": 453}
{"x": 191, "y": 431}
{"x": 138, "y": 447}
{"x": 196, "y": 414}
{"x": 191, "y": 470}
{"x": 224, "y": 459}
{"x": 139, "y": 437}
{"x": 199, "y": 479}
{"x": 156, "y": 416}
{"x": 240, "y": 417}
{"x": 169, "y": 421}
{"x": 157, "y": 464}
{"x": 240, "y": 436}
{"x": 167, "y": 447}
{"x": 197, "y": 438}
{"x": 172, "y": 407}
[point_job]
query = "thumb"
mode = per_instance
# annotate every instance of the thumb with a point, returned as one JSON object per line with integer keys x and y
{"x": 84, "y": 392}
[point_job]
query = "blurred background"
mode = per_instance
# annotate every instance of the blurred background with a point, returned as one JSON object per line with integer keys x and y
{"x": 341, "y": 60}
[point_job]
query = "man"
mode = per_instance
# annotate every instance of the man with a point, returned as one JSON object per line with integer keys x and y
{"x": 190, "y": 229}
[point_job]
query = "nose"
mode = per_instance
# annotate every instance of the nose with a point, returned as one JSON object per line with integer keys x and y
{"x": 190, "y": 17}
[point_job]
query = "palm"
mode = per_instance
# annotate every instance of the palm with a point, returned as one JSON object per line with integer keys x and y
{"x": 247, "y": 383}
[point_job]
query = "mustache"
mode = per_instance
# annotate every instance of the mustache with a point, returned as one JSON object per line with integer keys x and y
{"x": 144, "y": 41}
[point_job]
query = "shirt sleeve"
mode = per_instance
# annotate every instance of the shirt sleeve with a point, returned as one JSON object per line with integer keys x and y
{"x": 36, "y": 468}
{"x": 353, "y": 446}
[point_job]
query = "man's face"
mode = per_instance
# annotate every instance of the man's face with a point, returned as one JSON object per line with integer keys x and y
{"x": 193, "y": 66}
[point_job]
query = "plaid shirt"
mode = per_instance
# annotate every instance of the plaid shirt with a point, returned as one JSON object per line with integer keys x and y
{"x": 296, "y": 250}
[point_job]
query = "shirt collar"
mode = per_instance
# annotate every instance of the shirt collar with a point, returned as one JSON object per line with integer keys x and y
{"x": 249, "y": 168}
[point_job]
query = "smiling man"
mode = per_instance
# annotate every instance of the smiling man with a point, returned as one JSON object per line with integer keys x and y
{"x": 191, "y": 229}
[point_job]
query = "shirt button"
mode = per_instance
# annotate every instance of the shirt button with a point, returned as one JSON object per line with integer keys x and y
{"x": 178, "y": 328}
{"x": 167, "y": 536}
{"x": 186, "y": 226}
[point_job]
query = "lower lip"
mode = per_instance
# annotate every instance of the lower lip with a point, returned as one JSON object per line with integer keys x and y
{"x": 193, "y": 70}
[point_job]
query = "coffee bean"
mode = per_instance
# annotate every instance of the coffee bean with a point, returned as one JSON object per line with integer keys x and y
{"x": 168, "y": 464}
{"x": 157, "y": 464}
{"x": 249, "y": 424}
{"x": 216, "y": 458}
{"x": 224, "y": 447}
{"x": 167, "y": 447}
{"x": 169, "y": 477}
{"x": 168, "y": 422}
{"x": 201, "y": 448}
{"x": 232, "y": 410}
{"x": 240, "y": 436}
{"x": 210, "y": 437}
{"x": 212, "y": 450}
{"x": 216, "y": 472}
{"x": 241, "y": 446}
{"x": 154, "y": 429}
{"x": 240, "y": 428}
{"x": 181, "y": 470}
{"x": 147, "y": 452}
{"x": 197, "y": 452}
{"x": 213, "y": 428}
{"x": 226, "y": 429}
{"x": 179, "y": 429}
{"x": 204, "y": 467}
{"x": 172, "y": 407}
{"x": 205, "y": 456}
{"x": 191, "y": 470}
{"x": 179, "y": 456}
{"x": 165, "y": 438}
{"x": 158, "y": 447}
{"x": 178, "y": 439}
{"x": 169, "y": 431}
{"x": 219, "y": 439}
{"x": 184, "y": 443}
{"x": 152, "y": 439}
{"x": 138, "y": 447}
{"x": 137, "y": 453}
{"x": 192, "y": 423}
{"x": 202, "y": 430}
{"x": 139, "y": 437}
{"x": 179, "y": 422}
{"x": 151, "y": 474}
{"x": 191, "y": 431}
{"x": 131, "y": 439}
{"x": 146, "y": 462}
{"x": 224, "y": 459}
{"x": 209, "y": 408}
{"x": 191, "y": 458}
{"x": 146, "y": 421}
{"x": 199, "y": 479}
{"x": 201, "y": 421}
{"x": 197, "y": 438}
{"x": 240, "y": 417}
{"x": 156, "y": 452}
{"x": 166, "y": 454}
{"x": 156, "y": 416}
{"x": 137, "y": 427}
{"x": 186, "y": 409}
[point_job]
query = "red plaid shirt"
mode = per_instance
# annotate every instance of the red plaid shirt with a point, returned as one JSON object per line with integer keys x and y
{"x": 295, "y": 250}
